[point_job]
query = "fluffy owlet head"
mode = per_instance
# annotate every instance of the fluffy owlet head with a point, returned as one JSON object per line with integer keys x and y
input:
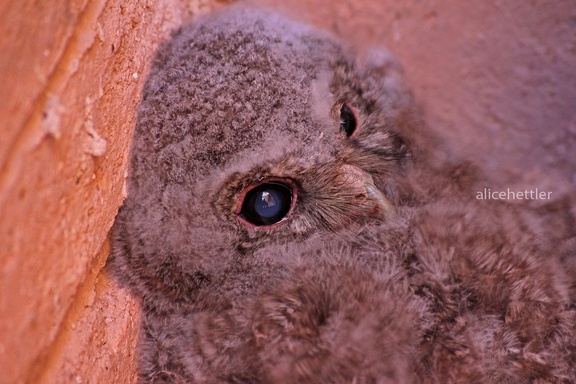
{"x": 252, "y": 131}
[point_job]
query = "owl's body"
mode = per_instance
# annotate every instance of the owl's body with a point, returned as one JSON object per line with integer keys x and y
{"x": 290, "y": 220}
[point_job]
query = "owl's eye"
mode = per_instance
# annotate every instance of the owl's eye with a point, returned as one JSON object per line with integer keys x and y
{"x": 267, "y": 204}
{"x": 348, "y": 121}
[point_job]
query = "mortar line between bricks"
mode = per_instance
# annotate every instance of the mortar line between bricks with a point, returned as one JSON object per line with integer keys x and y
{"x": 44, "y": 363}
{"x": 31, "y": 133}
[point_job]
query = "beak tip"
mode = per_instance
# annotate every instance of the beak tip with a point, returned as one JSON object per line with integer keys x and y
{"x": 382, "y": 206}
{"x": 371, "y": 201}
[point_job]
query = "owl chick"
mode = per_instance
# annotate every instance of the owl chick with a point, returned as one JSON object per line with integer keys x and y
{"x": 289, "y": 219}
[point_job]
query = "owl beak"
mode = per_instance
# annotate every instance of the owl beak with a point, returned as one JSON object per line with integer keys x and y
{"x": 377, "y": 203}
{"x": 369, "y": 199}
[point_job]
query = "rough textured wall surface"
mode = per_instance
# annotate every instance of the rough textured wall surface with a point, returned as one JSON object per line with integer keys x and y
{"x": 495, "y": 77}
{"x": 70, "y": 75}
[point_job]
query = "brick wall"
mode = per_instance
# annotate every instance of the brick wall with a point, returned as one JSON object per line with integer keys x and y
{"x": 70, "y": 76}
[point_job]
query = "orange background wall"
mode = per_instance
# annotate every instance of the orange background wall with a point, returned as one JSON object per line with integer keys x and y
{"x": 496, "y": 78}
{"x": 70, "y": 75}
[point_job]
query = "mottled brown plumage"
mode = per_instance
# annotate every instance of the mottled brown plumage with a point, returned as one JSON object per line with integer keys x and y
{"x": 380, "y": 266}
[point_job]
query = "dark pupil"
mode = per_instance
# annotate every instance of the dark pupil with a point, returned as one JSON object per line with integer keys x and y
{"x": 267, "y": 204}
{"x": 347, "y": 120}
